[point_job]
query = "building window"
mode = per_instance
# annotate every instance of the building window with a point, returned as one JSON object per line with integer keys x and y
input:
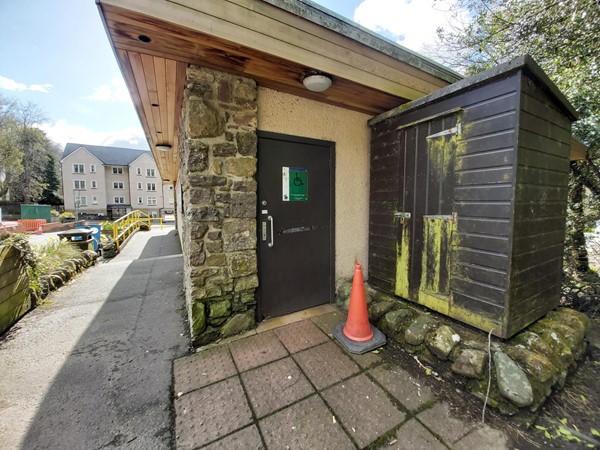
{"x": 151, "y": 201}
{"x": 139, "y": 170}
{"x": 118, "y": 185}
{"x": 140, "y": 185}
{"x": 82, "y": 201}
{"x": 140, "y": 200}
{"x": 94, "y": 184}
{"x": 78, "y": 168}
{"x": 151, "y": 187}
{"x": 150, "y": 173}
{"x": 117, "y": 170}
{"x": 94, "y": 200}
{"x": 120, "y": 200}
{"x": 79, "y": 184}
{"x": 92, "y": 168}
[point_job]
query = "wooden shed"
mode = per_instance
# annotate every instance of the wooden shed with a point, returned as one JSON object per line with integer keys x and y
{"x": 468, "y": 197}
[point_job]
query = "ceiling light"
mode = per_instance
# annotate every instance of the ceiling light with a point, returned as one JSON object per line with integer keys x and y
{"x": 163, "y": 148}
{"x": 317, "y": 82}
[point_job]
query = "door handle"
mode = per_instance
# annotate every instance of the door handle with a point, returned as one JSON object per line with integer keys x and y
{"x": 270, "y": 244}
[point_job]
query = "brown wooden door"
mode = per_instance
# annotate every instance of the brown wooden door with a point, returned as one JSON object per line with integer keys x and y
{"x": 295, "y": 229}
{"x": 425, "y": 218}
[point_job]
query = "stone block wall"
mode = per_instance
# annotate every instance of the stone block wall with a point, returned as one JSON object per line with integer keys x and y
{"x": 217, "y": 173}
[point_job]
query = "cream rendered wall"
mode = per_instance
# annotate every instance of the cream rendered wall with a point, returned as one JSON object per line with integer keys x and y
{"x": 145, "y": 162}
{"x": 82, "y": 156}
{"x": 287, "y": 114}
{"x": 123, "y": 178}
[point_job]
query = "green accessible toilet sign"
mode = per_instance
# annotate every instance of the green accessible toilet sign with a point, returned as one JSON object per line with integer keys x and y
{"x": 294, "y": 184}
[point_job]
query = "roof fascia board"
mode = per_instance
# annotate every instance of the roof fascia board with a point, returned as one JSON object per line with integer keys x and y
{"x": 328, "y": 19}
{"x": 520, "y": 62}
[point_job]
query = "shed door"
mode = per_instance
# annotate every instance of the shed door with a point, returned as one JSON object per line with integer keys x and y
{"x": 295, "y": 195}
{"x": 425, "y": 219}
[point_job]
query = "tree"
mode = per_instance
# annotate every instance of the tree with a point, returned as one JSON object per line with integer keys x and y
{"x": 562, "y": 35}
{"x": 52, "y": 188}
{"x": 28, "y": 158}
{"x": 11, "y": 155}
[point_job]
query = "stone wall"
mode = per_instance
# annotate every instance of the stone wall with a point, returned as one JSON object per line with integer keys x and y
{"x": 217, "y": 175}
{"x": 524, "y": 370}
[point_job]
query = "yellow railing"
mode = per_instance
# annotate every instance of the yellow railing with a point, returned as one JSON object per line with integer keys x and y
{"x": 125, "y": 226}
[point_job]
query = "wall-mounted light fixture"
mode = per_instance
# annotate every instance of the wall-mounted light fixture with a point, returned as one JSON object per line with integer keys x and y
{"x": 163, "y": 147}
{"x": 317, "y": 82}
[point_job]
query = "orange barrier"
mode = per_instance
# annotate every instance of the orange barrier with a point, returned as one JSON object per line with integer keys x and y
{"x": 32, "y": 224}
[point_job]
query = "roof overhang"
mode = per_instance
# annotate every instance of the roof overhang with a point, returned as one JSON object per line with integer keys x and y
{"x": 275, "y": 42}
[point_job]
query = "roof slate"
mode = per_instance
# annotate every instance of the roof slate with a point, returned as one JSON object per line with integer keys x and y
{"x": 110, "y": 156}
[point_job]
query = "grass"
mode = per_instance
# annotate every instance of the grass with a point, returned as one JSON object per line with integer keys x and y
{"x": 51, "y": 255}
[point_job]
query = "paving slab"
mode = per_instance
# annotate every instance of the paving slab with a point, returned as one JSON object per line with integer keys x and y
{"x": 483, "y": 437}
{"x": 305, "y": 425}
{"x": 326, "y": 364}
{"x": 327, "y": 322}
{"x": 247, "y": 439}
{"x": 203, "y": 368}
{"x": 275, "y": 385}
{"x": 414, "y": 436}
{"x": 257, "y": 350}
{"x": 409, "y": 391}
{"x": 209, "y": 413}
{"x": 300, "y": 336}
{"x": 363, "y": 408}
{"x": 366, "y": 360}
{"x": 441, "y": 422}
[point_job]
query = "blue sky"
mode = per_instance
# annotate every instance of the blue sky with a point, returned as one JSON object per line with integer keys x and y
{"x": 56, "y": 54}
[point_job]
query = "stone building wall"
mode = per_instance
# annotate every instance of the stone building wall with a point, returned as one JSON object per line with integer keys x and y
{"x": 218, "y": 231}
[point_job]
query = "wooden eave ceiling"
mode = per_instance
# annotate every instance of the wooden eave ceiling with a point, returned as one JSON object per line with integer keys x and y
{"x": 248, "y": 38}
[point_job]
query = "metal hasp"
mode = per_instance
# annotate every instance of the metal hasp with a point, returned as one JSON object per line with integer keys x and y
{"x": 481, "y": 169}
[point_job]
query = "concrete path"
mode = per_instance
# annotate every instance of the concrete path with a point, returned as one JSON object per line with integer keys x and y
{"x": 294, "y": 387}
{"x": 91, "y": 368}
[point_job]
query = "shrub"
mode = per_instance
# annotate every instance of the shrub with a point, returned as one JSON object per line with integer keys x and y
{"x": 51, "y": 255}
{"x": 107, "y": 226}
{"x": 67, "y": 216}
{"x": 54, "y": 213}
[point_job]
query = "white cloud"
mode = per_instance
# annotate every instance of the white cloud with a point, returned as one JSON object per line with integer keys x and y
{"x": 12, "y": 85}
{"x": 62, "y": 132}
{"x": 413, "y": 24}
{"x": 114, "y": 92}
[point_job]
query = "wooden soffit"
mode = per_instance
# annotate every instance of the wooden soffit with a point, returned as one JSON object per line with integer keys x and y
{"x": 155, "y": 40}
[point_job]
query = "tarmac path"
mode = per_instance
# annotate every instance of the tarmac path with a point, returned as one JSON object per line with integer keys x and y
{"x": 92, "y": 367}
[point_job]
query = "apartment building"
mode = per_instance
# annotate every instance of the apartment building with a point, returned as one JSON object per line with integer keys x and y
{"x": 112, "y": 181}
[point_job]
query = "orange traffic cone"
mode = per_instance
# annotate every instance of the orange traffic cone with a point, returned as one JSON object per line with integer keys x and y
{"x": 357, "y": 335}
{"x": 39, "y": 230}
{"x": 357, "y": 326}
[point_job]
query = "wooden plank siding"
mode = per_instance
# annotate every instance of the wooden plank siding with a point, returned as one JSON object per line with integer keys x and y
{"x": 482, "y": 195}
{"x": 540, "y": 206}
{"x": 14, "y": 287}
{"x": 509, "y": 195}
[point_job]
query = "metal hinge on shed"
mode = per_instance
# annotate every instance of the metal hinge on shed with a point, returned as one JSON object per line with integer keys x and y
{"x": 401, "y": 216}
{"x": 454, "y": 130}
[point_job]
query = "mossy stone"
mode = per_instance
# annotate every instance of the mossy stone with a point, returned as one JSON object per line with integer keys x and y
{"x": 378, "y": 310}
{"x": 442, "y": 341}
{"x": 198, "y": 319}
{"x": 238, "y": 324}
{"x": 418, "y": 329}
{"x": 219, "y": 309}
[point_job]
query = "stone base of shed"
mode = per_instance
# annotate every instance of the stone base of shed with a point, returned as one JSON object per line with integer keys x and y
{"x": 525, "y": 370}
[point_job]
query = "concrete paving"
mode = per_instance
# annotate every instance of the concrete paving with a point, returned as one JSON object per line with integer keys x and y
{"x": 293, "y": 387}
{"x": 91, "y": 368}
